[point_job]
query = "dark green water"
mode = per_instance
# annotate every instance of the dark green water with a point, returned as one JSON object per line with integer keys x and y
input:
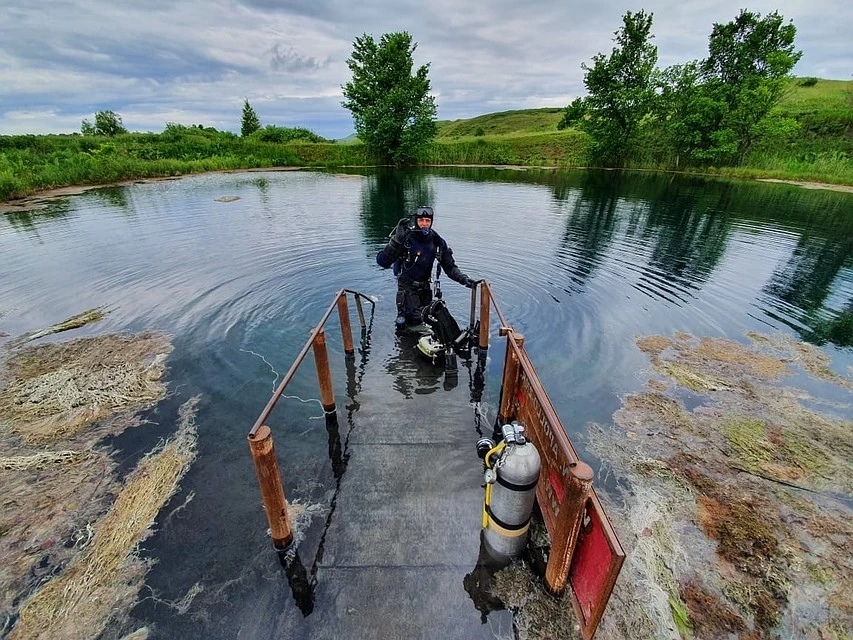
{"x": 582, "y": 264}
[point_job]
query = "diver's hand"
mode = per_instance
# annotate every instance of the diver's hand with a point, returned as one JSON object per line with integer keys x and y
{"x": 400, "y": 232}
{"x": 469, "y": 282}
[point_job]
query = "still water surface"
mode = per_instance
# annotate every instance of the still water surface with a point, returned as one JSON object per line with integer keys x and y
{"x": 582, "y": 264}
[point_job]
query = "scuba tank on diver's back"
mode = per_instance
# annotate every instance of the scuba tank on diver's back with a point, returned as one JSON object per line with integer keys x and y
{"x": 398, "y": 234}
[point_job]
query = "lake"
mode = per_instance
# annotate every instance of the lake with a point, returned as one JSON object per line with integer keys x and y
{"x": 581, "y": 262}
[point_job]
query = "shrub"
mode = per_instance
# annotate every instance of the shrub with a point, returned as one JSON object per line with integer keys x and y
{"x": 282, "y": 135}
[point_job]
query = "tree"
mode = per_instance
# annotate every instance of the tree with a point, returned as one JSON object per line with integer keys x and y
{"x": 107, "y": 123}
{"x": 621, "y": 90}
{"x": 748, "y": 62}
{"x": 682, "y": 111}
{"x": 250, "y": 122}
{"x": 572, "y": 114}
{"x": 392, "y": 109}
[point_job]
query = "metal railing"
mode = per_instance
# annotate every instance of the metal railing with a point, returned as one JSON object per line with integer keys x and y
{"x": 260, "y": 436}
{"x": 585, "y": 554}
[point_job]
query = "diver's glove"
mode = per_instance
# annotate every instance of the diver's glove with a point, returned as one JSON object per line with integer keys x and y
{"x": 400, "y": 232}
{"x": 468, "y": 282}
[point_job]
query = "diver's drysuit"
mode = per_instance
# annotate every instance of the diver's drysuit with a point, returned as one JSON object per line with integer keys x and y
{"x": 413, "y": 252}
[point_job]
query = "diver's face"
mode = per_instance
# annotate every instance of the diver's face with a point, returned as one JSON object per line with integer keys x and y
{"x": 424, "y": 223}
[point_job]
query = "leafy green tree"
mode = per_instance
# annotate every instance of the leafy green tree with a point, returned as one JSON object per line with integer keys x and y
{"x": 745, "y": 71}
{"x": 621, "y": 90}
{"x": 250, "y": 122}
{"x": 107, "y": 123}
{"x": 572, "y": 114}
{"x": 392, "y": 109}
{"x": 682, "y": 112}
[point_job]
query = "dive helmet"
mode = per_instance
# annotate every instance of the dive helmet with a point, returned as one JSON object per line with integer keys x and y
{"x": 424, "y": 212}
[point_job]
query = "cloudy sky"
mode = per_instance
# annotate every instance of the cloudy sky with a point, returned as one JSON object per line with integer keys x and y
{"x": 195, "y": 61}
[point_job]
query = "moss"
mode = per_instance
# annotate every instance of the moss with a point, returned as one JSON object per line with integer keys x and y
{"x": 680, "y": 617}
{"x": 746, "y": 537}
{"x": 694, "y": 380}
{"x": 747, "y": 443}
{"x": 709, "y": 615}
{"x": 75, "y": 322}
{"x": 748, "y": 438}
{"x": 819, "y": 574}
{"x": 784, "y": 453}
{"x": 666, "y": 411}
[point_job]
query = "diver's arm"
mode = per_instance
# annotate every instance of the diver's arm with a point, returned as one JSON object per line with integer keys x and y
{"x": 448, "y": 264}
{"x": 388, "y": 256}
{"x": 394, "y": 249}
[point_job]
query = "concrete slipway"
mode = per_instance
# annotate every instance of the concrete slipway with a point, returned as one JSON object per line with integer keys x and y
{"x": 398, "y": 557}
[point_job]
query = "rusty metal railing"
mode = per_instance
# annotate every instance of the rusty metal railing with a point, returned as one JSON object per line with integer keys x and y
{"x": 585, "y": 553}
{"x": 260, "y": 436}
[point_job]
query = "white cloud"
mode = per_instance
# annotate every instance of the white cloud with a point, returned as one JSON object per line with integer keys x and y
{"x": 195, "y": 61}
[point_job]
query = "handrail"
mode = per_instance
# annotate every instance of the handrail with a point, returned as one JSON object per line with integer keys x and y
{"x": 301, "y": 356}
{"x": 584, "y": 546}
{"x": 260, "y": 436}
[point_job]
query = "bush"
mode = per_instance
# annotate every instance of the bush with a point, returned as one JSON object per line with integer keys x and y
{"x": 807, "y": 82}
{"x": 282, "y": 135}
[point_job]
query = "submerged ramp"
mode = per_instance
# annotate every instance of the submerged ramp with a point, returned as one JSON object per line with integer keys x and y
{"x": 404, "y": 537}
{"x": 399, "y": 552}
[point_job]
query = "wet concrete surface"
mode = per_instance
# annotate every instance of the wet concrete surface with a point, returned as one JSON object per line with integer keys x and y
{"x": 405, "y": 530}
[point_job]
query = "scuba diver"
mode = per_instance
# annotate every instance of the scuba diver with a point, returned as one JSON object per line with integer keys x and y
{"x": 412, "y": 250}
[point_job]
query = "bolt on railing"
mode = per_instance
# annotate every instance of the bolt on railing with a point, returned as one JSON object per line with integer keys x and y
{"x": 260, "y": 436}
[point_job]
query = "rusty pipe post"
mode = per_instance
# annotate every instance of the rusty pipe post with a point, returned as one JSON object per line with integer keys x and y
{"x": 484, "y": 317}
{"x": 346, "y": 329}
{"x": 509, "y": 382}
{"x": 272, "y": 491}
{"x": 578, "y": 488}
{"x": 324, "y": 374}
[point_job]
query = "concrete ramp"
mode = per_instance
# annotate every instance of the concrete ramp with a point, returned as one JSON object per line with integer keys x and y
{"x": 400, "y": 550}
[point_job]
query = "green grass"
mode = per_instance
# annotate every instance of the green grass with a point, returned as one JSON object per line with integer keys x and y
{"x": 524, "y": 121}
{"x": 558, "y": 148}
{"x": 822, "y": 152}
{"x": 825, "y": 95}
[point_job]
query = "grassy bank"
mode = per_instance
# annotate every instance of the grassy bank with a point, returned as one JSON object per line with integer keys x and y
{"x": 819, "y": 148}
{"x": 29, "y": 164}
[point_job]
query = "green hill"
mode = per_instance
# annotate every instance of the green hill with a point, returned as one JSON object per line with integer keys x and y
{"x": 824, "y": 95}
{"x": 824, "y": 99}
{"x": 524, "y": 121}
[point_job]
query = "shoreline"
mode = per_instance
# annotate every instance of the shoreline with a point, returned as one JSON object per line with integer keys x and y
{"x": 41, "y": 199}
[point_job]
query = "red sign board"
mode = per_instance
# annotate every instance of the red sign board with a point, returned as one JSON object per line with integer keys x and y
{"x": 596, "y": 562}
